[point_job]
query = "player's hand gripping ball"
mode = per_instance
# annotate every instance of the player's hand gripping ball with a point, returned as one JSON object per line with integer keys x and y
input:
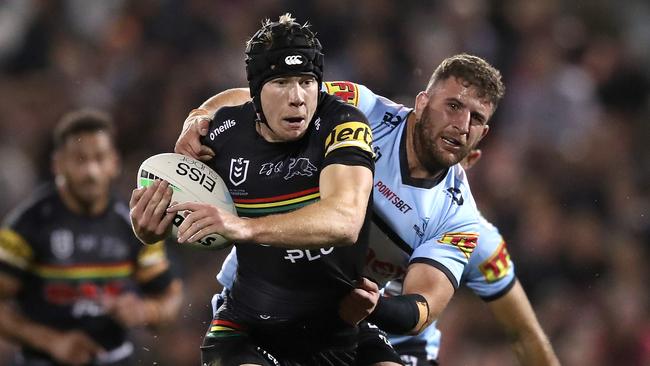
{"x": 191, "y": 181}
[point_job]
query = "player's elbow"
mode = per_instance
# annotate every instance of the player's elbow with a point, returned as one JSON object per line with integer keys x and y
{"x": 346, "y": 233}
{"x": 346, "y": 223}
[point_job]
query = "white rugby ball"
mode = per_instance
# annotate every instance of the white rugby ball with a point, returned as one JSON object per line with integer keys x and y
{"x": 191, "y": 181}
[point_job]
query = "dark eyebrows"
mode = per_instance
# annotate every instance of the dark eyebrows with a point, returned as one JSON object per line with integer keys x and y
{"x": 479, "y": 116}
{"x": 474, "y": 114}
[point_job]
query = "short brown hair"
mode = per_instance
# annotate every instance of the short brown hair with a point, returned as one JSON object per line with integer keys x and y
{"x": 474, "y": 70}
{"x": 82, "y": 120}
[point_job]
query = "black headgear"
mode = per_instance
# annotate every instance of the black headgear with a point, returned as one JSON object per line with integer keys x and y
{"x": 281, "y": 48}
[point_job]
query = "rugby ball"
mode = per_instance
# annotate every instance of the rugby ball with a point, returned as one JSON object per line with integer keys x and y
{"x": 191, "y": 181}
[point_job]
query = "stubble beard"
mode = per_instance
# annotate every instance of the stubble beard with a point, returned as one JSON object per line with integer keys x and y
{"x": 430, "y": 155}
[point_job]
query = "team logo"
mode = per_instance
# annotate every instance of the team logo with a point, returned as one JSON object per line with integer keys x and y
{"x": 466, "y": 242}
{"x": 293, "y": 60}
{"x": 496, "y": 267}
{"x": 300, "y": 166}
{"x": 456, "y": 195}
{"x": 238, "y": 170}
{"x": 391, "y": 120}
{"x": 62, "y": 243}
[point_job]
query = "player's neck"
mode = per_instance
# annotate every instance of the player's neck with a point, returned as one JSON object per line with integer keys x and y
{"x": 415, "y": 166}
{"x": 266, "y": 132}
{"x": 77, "y": 206}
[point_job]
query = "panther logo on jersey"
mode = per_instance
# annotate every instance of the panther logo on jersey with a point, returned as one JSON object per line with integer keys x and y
{"x": 300, "y": 166}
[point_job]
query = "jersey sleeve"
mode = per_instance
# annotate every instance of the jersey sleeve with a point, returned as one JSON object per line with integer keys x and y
{"x": 154, "y": 257}
{"x": 456, "y": 232}
{"x": 450, "y": 251}
{"x": 16, "y": 252}
{"x": 490, "y": 273}
{"x": 354, "y": 94}
{"x": 349, "y": 139}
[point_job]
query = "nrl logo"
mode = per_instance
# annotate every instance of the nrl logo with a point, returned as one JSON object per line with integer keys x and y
{"x": 238, "y": 170}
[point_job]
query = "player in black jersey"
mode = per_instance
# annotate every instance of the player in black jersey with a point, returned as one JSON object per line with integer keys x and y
{"x": 298, "y": 164}
{"x": 73, "y": 277}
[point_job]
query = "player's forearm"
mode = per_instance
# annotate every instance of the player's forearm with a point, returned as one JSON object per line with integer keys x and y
{"x": 326, "y": 223}
{"x": 533, "y": 348}
{"x": 517, "y": 317}
{"x": 16, "y": 328}
{"x": 226, "y": 98}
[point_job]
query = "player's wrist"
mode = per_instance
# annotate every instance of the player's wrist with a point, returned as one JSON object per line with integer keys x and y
{"x": 242, "y": 229}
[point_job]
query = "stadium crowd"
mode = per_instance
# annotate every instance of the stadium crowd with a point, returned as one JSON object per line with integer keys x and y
{"x": 564, "y": 175}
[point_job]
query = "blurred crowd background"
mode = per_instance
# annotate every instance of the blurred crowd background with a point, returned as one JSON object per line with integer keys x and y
{"x": 565, "y": 173}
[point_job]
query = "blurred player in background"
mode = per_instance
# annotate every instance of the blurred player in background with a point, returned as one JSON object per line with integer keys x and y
{"x": 490, "y": 274}
{"x": 73, "y": 277}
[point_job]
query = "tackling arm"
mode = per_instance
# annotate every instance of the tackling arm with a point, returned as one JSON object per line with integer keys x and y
{"x": 425, "y": 293}
{"x": 515, "y": 314}
{"x": 197, "y": 122}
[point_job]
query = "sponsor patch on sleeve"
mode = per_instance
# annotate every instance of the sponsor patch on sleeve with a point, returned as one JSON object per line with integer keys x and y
{"x": 14, "y": 249}
{"x": 466, "y": 242}
{"x": 344, "y": 90}
{"x": 496, "y": 267}
{"x": 349, "y": 134}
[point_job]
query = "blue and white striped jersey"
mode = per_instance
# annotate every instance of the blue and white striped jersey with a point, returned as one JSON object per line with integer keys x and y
{"x": 490, "y": 274}
{"x": 414, "y": 220}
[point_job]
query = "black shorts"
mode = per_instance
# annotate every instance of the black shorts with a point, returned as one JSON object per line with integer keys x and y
{"x": 374, "y": 346}
{"x": 414, "y": 353}
{"x": 234, "y": 337}
{"x": 243, "y": 349}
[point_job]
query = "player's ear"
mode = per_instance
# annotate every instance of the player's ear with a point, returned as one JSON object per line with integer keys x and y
{"x": 472, "y": 158}
{"x": 116, "y": 164}
{"x": 421, "y": 101}
{"x": 55, "y": 163}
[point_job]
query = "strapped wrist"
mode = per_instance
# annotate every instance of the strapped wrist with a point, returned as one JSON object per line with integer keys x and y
{"x": 403, "y": 314}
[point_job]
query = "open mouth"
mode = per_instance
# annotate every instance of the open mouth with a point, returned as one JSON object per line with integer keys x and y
{"x": 452, "y": 142}
{"x": 294, "y": 119}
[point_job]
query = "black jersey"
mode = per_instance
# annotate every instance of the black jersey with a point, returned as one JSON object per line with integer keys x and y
{"x": 269, "y": 178}
{"x": 67, "y": 263}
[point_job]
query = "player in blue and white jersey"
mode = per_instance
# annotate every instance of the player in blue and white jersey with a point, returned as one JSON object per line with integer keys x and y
{"x": 490, "y": 274}
{"x": 426, "y": 221}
